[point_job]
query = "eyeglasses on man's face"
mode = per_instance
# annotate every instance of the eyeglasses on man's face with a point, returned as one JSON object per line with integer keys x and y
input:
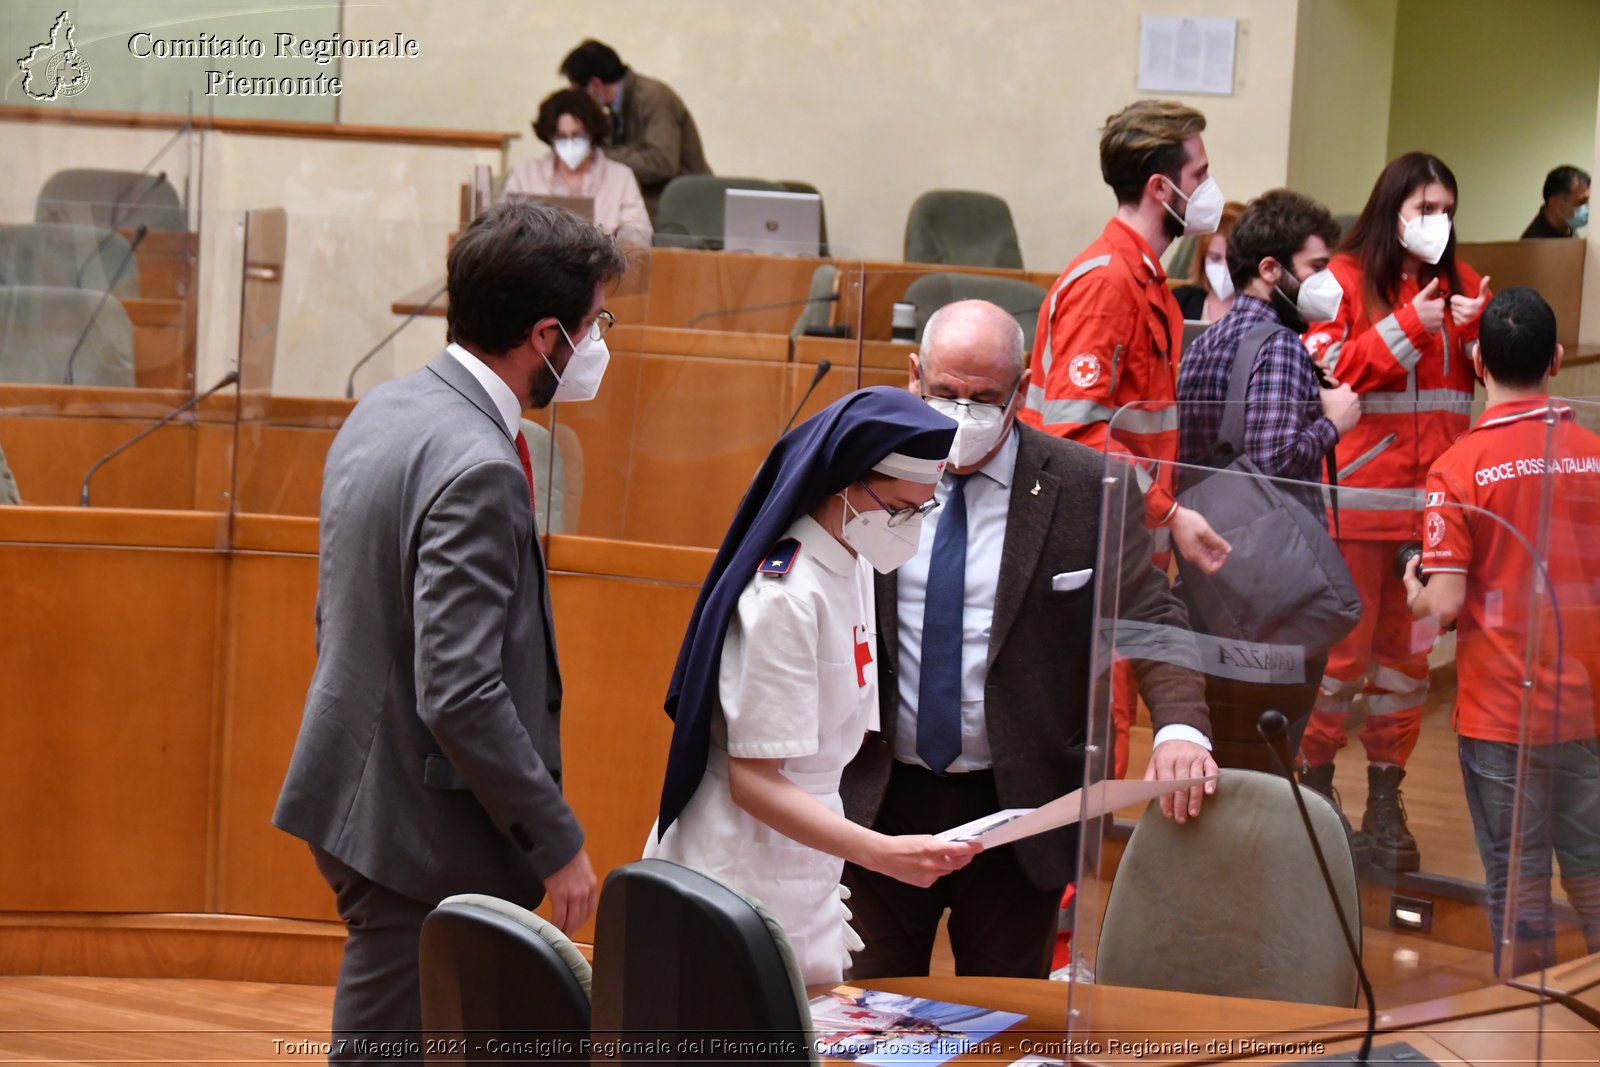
{"x": 602, "y": 325}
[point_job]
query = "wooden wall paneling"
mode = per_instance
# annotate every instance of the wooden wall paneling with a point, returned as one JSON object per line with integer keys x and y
{"x": 1554, "y": 268}
{"x": 107, "y": 656}
{"x": 686, "y": 286}
{"x": 618, "y": 641}
{"x": 50, "y": 454}
{"x": 269, "y": 654}
{"x": 700, "y": 431}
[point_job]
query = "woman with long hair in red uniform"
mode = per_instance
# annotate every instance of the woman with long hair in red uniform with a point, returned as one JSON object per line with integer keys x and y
{"x": 1400, "y": 339}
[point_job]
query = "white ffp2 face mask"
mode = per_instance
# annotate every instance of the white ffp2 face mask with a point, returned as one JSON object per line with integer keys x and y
{"x": 1426, "y": 236}
{"x": 1205, "y": 204}
{"x": 978, "y": 428}
{"x": 1220, "y": 280}
{"x": 571, "y": 150}
{"x": 1319, "y": 297}
{"x": 584, "y": 370}
{"x": 885, "y": 547}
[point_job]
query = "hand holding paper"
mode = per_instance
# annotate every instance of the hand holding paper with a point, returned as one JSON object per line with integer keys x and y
{"x": 1014, "y": 824}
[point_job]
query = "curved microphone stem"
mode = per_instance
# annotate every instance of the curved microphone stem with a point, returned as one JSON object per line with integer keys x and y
{"x": 231, "y": 378}
{"x": 350, "y": 382}
{"x": 823, "y": 367}
{"x": 111, "y": 283}
{"x": 774, "y": 306}
{"x": 1271, "y": 727}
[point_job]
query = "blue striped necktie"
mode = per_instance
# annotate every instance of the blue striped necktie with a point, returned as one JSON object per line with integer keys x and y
{"x": 939, "y": 688}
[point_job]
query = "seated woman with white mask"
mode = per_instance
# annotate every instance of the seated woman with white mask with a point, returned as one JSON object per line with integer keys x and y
{"x": 776, "y": 686}
{"x": 573, "y": 125}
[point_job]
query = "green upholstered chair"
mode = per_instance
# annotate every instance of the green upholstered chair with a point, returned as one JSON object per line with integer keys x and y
{"x": 116, "y": 199}
{"x": 1022, "y": 299}
{"x": 40, "y": 328}
{"x": 64, "y": 256}
{"x": 962, "y": 228}
{"x": 690, "y": 214}
{"x": 1232, "y": 902}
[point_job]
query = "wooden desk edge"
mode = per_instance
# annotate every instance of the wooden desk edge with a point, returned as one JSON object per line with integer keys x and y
{"x": 55, "y": 527}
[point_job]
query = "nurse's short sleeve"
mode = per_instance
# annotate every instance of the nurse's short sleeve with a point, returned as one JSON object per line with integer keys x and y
{"x": 768, "y": 682}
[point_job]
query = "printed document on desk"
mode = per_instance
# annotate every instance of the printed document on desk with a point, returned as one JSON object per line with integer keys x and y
{"x": 1013, "y": 824}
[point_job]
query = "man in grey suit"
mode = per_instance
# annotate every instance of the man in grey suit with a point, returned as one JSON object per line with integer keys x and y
{"x": 429, "y": 757}
{"x": 984, "y": 670}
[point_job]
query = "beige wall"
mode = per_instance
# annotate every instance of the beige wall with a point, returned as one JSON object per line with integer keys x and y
{"x": 1344, "y": 61}
{"x": 1502, "y": 93}
{"x": 874, "y": 102}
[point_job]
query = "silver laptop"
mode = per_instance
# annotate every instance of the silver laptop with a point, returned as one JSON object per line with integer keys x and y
{"x": 581, "y": 206}
{"x": 773, "y": 224}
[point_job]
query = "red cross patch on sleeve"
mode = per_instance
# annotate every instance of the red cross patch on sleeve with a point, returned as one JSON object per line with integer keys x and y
{"x": 863, "y": 655}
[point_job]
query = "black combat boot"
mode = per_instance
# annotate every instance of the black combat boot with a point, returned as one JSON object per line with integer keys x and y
{"x": 1320, "y": 779}
{"x": 1393, "y": 847}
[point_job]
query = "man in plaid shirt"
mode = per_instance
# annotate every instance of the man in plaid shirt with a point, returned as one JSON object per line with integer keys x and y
{"x": 1278, "y": 256}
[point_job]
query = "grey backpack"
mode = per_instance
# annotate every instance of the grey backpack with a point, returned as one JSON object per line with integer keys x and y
{"x": 1284, "y": 582}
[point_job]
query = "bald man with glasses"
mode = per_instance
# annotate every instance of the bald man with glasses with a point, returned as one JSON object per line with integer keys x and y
{"x": 986, "y": 644}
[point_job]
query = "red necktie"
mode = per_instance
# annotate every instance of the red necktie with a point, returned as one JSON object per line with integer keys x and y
{"x": 527, "y": 469}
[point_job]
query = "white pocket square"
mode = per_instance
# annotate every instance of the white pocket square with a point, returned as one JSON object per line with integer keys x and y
{"x": 1067, "y": 581}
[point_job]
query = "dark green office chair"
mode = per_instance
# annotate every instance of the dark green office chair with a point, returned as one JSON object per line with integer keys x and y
{"x": 1022, "y": 299}
{"x": 63, "y": 256}
{"x": 691, "y": 211}
{"x": 116, "y": 199}
{"x": 64, "y": 336}
{"x": 962, "y": 228}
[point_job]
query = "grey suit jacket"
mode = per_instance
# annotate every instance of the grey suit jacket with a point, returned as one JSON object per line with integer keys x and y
{"x": 429, "y": 756}
{"x": 1041, "y": 647}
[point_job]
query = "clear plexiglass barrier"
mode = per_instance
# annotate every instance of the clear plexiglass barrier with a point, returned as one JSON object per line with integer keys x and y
{"x": 1443, "y": 731}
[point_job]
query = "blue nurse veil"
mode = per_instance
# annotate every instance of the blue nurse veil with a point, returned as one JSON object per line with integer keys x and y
{"x": 828, "y": 452}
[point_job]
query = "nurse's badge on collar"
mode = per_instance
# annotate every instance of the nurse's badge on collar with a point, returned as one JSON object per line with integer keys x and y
{"x": 780, "y": 558}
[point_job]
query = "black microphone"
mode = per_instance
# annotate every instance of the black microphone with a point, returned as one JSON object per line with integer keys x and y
{"x": 232, "y": 378}
{"x": 350, "y": 382}
{"x": 823, "y": 367}
{"x": 94, "y": 316}
{"x": 117, "y": 214}
{"x": 1273, "y": 728}
{"x": 126, "y": 205}
{"x": 720, "y": 312}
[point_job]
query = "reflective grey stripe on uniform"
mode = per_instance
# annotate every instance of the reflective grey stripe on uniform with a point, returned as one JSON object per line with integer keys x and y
{"x": 1366, "y": 457}
{"x": 1160, "y": 539}
{"x": 1390, "y": 680}
{"x": 1457, "y": 401}
{"x": 1352, "y": 499}
{"x": 1143, "y": 477}
{"x": 1130, "y": 418}
{"x": 1335, "y": 694}
{"x": 1394, "y": 703}
{"x": 1050, "y": 321}
{"x": 1330, "y": 357}
{"x": 1400, "y": 346}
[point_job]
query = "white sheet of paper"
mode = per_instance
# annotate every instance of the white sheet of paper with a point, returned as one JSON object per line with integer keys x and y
{"x": 1013, "y": 824}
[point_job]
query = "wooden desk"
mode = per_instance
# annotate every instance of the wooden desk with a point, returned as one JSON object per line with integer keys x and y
{"x": 1121, "y": 1025}
{"x": 54, "y": 433}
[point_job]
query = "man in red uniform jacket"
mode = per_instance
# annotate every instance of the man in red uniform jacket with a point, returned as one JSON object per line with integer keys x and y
{"x": 1108, "y": 335}
{"x": 1526, "y": 478}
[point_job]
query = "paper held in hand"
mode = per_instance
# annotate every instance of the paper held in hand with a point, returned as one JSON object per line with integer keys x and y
{"x": 1013, "y": 824}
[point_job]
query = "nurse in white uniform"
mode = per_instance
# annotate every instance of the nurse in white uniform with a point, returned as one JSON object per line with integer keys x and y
{"x": 794, "y": 688}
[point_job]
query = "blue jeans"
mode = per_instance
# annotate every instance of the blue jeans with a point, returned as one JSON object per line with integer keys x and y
{"x": 1555, "y": 808}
